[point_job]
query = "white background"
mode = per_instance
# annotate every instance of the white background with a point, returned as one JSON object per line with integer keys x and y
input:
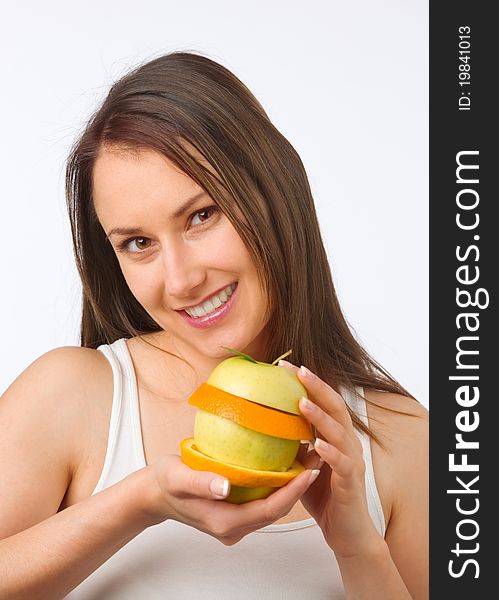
{"x": 345, "y": 82}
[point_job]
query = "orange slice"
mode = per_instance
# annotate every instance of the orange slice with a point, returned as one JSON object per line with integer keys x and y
{"x": 237, "y": 475}
{"x": 250, "y": 414}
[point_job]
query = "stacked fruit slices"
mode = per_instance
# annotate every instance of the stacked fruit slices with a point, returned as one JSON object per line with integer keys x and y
{"x": 252, "y": 444}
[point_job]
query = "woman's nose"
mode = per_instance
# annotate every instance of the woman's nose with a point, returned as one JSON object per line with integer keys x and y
{"x": 183, "y": 272}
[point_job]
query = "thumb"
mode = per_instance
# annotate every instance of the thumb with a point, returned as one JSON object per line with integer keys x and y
{"x": 219, "y": 487}
{"x": 179, "y": 480}
{"x": 204, "y": 484}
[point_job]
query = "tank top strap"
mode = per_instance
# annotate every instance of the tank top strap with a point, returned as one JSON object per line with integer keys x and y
{"x": 357, "y": 403}
{"x": 125, "y": 451}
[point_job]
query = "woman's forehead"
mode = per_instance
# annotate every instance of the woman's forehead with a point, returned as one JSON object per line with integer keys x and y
{"x": 135, "y": 183}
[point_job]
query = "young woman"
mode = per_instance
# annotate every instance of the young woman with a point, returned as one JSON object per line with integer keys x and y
{"x": 180, "y": 191}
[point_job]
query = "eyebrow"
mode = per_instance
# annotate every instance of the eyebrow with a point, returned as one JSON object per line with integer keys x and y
{"x": 175, "y": 215}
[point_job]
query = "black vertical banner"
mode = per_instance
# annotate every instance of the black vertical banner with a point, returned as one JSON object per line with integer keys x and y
{"x": 464, "y": 258}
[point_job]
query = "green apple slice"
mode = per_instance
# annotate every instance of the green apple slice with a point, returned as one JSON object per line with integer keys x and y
{"x": 239, "y": 494}
{"x": 224, "y": 440}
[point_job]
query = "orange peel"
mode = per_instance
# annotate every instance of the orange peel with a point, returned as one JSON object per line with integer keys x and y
{"x": 257, "y": 417}
{"x": 240, "y": 476}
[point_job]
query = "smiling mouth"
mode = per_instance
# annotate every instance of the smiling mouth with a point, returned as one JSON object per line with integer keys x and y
{"x": 212, "y": 304}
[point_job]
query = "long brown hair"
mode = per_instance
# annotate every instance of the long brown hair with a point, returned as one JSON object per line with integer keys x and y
{"x": 185, "y": 100}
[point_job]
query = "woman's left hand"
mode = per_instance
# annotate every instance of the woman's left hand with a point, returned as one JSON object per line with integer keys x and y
{"x": 337, "y": 499}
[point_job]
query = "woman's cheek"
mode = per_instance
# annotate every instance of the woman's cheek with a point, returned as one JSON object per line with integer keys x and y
{"x": 143, "y": 285}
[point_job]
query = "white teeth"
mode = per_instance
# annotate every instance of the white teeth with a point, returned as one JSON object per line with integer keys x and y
{"x": 211, "y": 304}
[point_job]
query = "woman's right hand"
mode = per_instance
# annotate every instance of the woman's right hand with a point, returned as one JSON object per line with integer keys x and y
{"x": 172, "y": 490}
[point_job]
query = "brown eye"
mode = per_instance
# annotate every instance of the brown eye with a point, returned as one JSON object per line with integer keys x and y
{"x": 142, "y": 243}
{"x": 135, "y": 245}
{"x": 203, "y": 215}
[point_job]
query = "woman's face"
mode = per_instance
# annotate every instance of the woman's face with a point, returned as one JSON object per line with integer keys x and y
{"x": 178, "y": 252}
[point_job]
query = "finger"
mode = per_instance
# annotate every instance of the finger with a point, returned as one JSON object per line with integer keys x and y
{"x": 287, "y": 365}
{"x": 340, "y": 463}
{"x": 184, "y": 482}
{"x": 331, "y": 429}
{"x": 259, "y": 513}
{"x": 298, "y": 371}
{"x": 325, "y": 397}
{"x": 280, "y": 502}
{"x": 294, "y": 369}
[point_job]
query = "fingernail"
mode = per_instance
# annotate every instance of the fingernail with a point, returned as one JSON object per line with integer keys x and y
{"x": 306, "y": 404}
{"x": 321, "y": 462}
{"x": 219, "y": 487}
{"x": 313, "y": 476}
{"x": 320, "y": 444}
{"x": 285, "y": 364}
{"x": 305, "y": 372}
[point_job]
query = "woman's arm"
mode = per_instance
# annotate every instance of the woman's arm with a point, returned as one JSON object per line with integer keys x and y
{"x": 394, "y": 568}
{"x": 398, "y": 566}
{"x": 406, "y": 460}
{"x": 51, "y": 558}
{"x": 45, "y": 553}
{"x": 373, "y": 576}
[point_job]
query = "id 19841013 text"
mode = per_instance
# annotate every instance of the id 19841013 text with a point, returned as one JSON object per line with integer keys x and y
{"x": 464, "y": 67}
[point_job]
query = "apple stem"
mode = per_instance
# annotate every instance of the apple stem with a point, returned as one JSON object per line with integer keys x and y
{"x": 282, "y": 356}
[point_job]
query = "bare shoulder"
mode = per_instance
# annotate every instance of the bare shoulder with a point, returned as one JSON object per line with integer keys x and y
{"x": 64, "y": 364}
{"x": 400, "y": 425}
{"x": 59, "y": 379}
{"x": 56, "y": 391}
{"x": 396, "y": 419}
{"x": 48, "y": 409}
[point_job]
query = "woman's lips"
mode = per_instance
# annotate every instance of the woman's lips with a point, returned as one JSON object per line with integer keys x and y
{"x": 212, "y": 318}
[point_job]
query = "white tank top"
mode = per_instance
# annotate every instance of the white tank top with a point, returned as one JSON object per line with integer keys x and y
{"x": 175, "y": 561}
